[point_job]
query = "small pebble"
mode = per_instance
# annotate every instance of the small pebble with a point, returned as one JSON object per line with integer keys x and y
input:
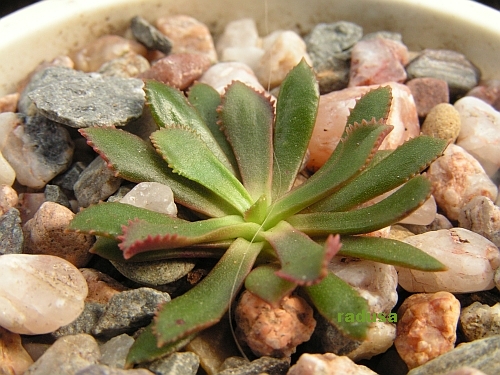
{"x": 442, "y": 121}
{"x": 8, "y": 103}
{"x": 82, "y": 100}
{"x": 11, "y": 233}
{"x": 497, "y": 278}
{"x": 7, "y": 173}
{"x": 101, "y": 286}
{"x": 114, "y": 351}
{"x": 220, "y": 75}
{"x": 478, "y": 321}
{"x": 283, "y": 50}
{"x": 179, "y": 363}
{"x": 480, "y": 132}
{"x": 481, "y": 216}
{"x": 274, "y": 331}
{"x": 15, "y": 360}
{"x": 38, "y": 149}
{"x": 376, "y": 61}
{"x": 85, "y": 322}
{"x": 477, "y": 354}
{"x": 262, "y": 365}
{"x": 98, "y": 369}
{"x": 187, "y": 34}
{"x": 328, "y": 363}
{"x": 97, "y": 182}
{"x": 126, "y": 311}
{"x": 29, "y": 203}
{"x": 54, "y": 193}
{"x": 379, "y": 339}
{"x": 179, "y": 70}
{"x": 466, "y": 371}
{"x": 152, "y": 196}
{"x": 39, "y": 293}
{"x": 488, "y": 91}
{"x": 154, "y": 273}
{"x": 427, "y": 93}
{"x": 426, "y": 327}
{"x": 68, "y": 179}
{"x": 424, "y": 215}
{"x": 150, "y": 36}
{"x": 470, "y": 268}
{"x": 128, "y": 66}
{"x": 456, "y": 178}
{"x": 440, "y": 222}
{"x": 450, "y": 66}
{"x": 46, "y": 233}
{"x": 106, "y": 48}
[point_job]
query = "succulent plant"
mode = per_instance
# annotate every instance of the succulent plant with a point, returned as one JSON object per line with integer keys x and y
{"x": 233, "y": 160}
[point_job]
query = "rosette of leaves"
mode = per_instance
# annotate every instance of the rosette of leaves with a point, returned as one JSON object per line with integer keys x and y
{"x": 233, "y": 160}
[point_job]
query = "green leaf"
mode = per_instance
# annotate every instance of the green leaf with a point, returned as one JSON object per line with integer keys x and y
{"x": 333, "y": 296}
{"x": 170, "y": 107}
{"x": 136, "y": 160}
{"x": 206, "y": 303}
{"x": 145, "y": 347}
{"x": 247, "y": 119}
{"x": 140, "y": 236}
{"x": 345, "y": 163}
{"x": 264, "y": 283}
{"x": 389, "y": 251}
{"x": 403, "y": 163}
{"x": 206, "y": 100}
{"x": 302, "y": 260}
{"x": 375, "y": 104}
{"x": 296, "y": 111}
{"x": 388, "y": 211}
{"x": 188, "y": 156}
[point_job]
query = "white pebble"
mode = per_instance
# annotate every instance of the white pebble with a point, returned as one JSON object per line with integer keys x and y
{"x": 152, "y": 196}
{"x": 471, "y": 260}
{"x": 424, "y": 215}
{"x": 240, "y": 33}
{"x": 480, "y": 132}
{"x": 220, "y": 75}
{"x": 7, "y": 173}
{"x": 39, "y": 293}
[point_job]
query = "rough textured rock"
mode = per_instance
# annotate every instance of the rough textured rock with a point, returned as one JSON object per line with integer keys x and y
{"x": 427, "y": 93}
{"x": 149, "y": 35}
{"x": 54, "y": 193}
{"x": 8, "y": 198}
{"x": 11, "y": 233}
{"x": 46, "y": 233}
{"x": 478, "y": 321}
{"x": 456, "y": 178}
{"x": 101, "y": 286}
{"x": 442, "y": 121}
{"x": 14, "y": 359}
{"x": 263, "y": 365}
{"x": 39, "y": 293}
{"x": 471, "y": 260}
{"x": 481, "y": 216}
{"x": 426, "y": 327}
{"x": 114, "y": 351}
{"x": 179, "y": 363}
{"x": 274, "y": 331}
{"x": 84, "y": 323}
{"x": 328, "y": 363}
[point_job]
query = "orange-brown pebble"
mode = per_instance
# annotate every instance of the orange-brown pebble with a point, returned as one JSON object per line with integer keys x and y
{"x": 101, "y": 286}
{"x": 426, "y": 328}
{"x": 14, "y": 359}
{"x": 8, "y": 198}
{"x": 8, "y": 103}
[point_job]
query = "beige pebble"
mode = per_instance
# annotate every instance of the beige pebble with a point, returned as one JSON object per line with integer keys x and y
{"x": 187, "y": 35}
{"x": 328, "y": 363}
{"x": 46, "y": 234}
{"x": 101, "y": 286}
{"x": 426, "y": 327}
{"x": 127, "y": 66}
{"x": 14, "y": 360}
{"x": 443, "y": 121}
{"x": 478, "y": 321}
{"x": 220, "y": 75}
{"x": 482, "y": 216}
{"x": 8, "y": 103}
{"x": 8, "y": 198}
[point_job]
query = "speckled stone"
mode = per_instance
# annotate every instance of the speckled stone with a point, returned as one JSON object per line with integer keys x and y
{"x": 82, "y": 100}
{"x": 262, "y": 365}
{"x": 11, "y": 233}
{"x": 84, "y": 323}
{"x": 128, "y": 66}
{"x": 443, "y": 121}
{"x": 180, "y": 363}
{"x": 54, "y": 193}
{"x": 482, "y": 216}
{"x": 427, "y": 93}
{"x": 68, "y": 179}
{"x": 149, "y": 35}
{"x": 8, "y": 198}
{"x": 478, "y": 321}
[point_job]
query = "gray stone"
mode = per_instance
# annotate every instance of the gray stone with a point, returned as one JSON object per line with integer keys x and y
{"x": 38, "y": 149}
{"x": 268, "y": 365}
{"x": 84, "y": 323}
{"x": 97, "y": 182}
{"x": 479, "y": 354}
{"x": 67, "y": 355}
{"x": 81, "y": 100}
{"x": 149, "y": 35}
{"x": 68, "y": 179}
{"x": 129, "y": 310}
{"x": 450, "y": 66}
{"x": 154, "y": 273}
{"x": 53, "y": 193}
{"x": 180, "y": 363}
{"x": 330, "y": 339}
{"x": 479, "y": 321}
{"x": 114, "y": 352}
{"x": 106, "y": 370}
{"x": 11, "y": 233}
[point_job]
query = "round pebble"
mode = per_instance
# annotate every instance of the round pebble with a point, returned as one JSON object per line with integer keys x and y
{"x": 443, "y": 121}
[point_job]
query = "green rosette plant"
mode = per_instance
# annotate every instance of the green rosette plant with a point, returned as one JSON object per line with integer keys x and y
{"x": 233, "y": 161}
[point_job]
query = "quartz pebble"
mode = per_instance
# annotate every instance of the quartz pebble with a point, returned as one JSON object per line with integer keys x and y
{"x": 106, "y": 48}
{"x": 456, "y": 178}
{"x": 488, "y": 91}
{"x": 450, "y": 66}
{"x": 39, "y": 293}
{"x": 379, "y": 339}
{"x": 179, "y": 363}
{"x": 328, "y": 363}
{"x": 179, "y": 70}
{"x": 274, "y": 331}
{"x": 187, "y": 35}
{"x": 376, "y": 61}
{"x": 424, "y": 215}
{"x": 46, "y": 233}
{"x": 152, "y": 196}
{"x": 66, "y": 356}
{"x": 38, "y": 149}
{"x": 427, "y": 93}
{"x": 101, "y": 286}
{"x": 127, "y": 66}
{"x": 220, "y": 75}
{"x": 14, "y": 358}
{"x": 439, "y": 222}
{"x": 8, "y": 121}
{"x": 480, "y": 132}
{"x": 426, "y": 327}
{"x": 11, "y": 233}
{"x": 115, "y": 350}
{"x": 82, "y": 100}
{"x": 478, "y": 321}
{"x": 481, "y": 216}
{"x": 333, "y": 112}
{"x": 442, "y": 121}
{"x": 7, "y": 173}
{"x": 149, "y": 35}
{"x": 470, "y": 258}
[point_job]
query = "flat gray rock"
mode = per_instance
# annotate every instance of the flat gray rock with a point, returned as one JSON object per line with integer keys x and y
{"x": 149, "y": 35}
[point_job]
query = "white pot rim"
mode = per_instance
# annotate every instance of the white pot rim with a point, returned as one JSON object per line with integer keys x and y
{"x": 53, "y": 27}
